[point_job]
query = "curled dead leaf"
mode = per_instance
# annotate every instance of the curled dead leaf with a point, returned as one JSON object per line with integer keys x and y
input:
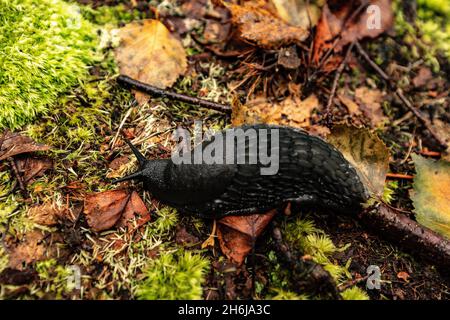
{"x": 366, "y": 152}
{"x": 259, "y": 26}
{"x": 12, "y": 144}
{"x": 135, "y": 214}
{"x": 291, "y": 111}
{"x": 237, "y": 234}
{"x": 346, "y": 21}
{"x": 116, "y": 207}
{"x": 33, "y": 167}
{"x": 148, "y": 52}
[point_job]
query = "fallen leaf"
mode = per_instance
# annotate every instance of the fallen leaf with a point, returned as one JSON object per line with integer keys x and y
{"x": 46, "y": 214}
{"x": 366, "y": 152}
{"x": 431, "y": 194}
{"x": 299, "y": 13}
{"x": 135, "y": 214}
{"x": 104, "y": 209}
{"x": 403, "y": 275}
{"x": 33, "y": 167}
{"x": 257, "y": 25}
{"x": 116, "y": 207}
{"x": 292, "y": 112}
{"x": 12, "y": 144}
{"x": 335, "y": 29}
{"x": 148, "y": 52}
{"x": 423, "y": 76}
{"x": 369, "y": 101}
{"x": 351, "y": 105}
{"x": 237, "y": 234}
{"x": 32, "y": 248}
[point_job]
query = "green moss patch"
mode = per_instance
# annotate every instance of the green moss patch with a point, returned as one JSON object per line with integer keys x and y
{"x": 172, "y": 276}
{"x": 45, "y": 48}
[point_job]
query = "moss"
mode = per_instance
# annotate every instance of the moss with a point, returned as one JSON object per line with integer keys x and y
{"x": 354, "y": 293}
{"x": 45, "y": 48}
{"x": 173, "y": 276}
{"x": 429, "y": 36}
{"x": 280, "y": 294}
{"x": 110, "y": 15}
{"x": 303, "y": 235}
{"x": 166, "y": 220}
{"x": 3, "y": 259}
{"x": 389, "y": 191}
{"x": 54, "y": 278}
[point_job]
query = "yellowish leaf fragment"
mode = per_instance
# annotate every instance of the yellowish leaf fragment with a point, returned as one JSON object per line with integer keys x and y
{"x": 431, "y": 196}
{"x": 149, "y": 53}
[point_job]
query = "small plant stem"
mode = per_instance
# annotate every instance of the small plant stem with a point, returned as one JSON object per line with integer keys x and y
{"x": 158, "y": 92}
{"x": 399, "y": 176}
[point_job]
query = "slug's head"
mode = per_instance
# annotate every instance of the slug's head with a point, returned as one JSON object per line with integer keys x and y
{"x": 142, "y": 165}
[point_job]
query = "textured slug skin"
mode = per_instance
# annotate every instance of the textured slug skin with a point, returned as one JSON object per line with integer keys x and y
{"x": 311, "y": 172}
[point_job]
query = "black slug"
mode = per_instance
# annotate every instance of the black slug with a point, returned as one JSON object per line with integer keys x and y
{"x": 307, "y": 170}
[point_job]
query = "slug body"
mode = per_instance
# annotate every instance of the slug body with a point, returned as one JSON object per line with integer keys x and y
{"x": 310, "y": 171}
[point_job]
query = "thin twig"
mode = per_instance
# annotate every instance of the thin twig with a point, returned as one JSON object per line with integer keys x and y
{"x": 113, "y": 143}
{"x": 152, "y": 90}
{"x": 18, "y": 177}
{"x": 401, "y": 96}
{"x": 399, "y": 176}
{"x": 337, "y": 76}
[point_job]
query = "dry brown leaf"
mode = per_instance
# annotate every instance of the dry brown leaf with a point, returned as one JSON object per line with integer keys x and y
{"x": 403, "y": 275}
{"x": 149, "y": 53}
{"x": 12, "y": 144}
{"x": 46, "y": 214}
{"x": 299, "y": 13}
{"x": 423, "y": 76}
{"x": 32, "y": 248}
{"x": 366, "y": 152}
{"x": 33, "y": 167}
{"x": 431, "y": 196}
{"x": 351, "y": 105}
{"x": 116, "y": 207}
{"x": 135, "y": 214}
{"x": 236, "y": 234}
{"x": 335, "y": 24}
{"x": 104, "y": 209}
{"x": 259, "y": 26}
{"x": 369, "y": 101}
{"x": 291, "y": 111}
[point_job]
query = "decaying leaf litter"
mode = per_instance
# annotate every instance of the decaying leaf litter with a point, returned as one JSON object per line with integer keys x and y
{"x": 232, "y": 67}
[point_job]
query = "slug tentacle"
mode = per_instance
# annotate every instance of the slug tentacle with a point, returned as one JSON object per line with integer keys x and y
{"x": 140, "y": 157}
{"x": 136, "y": 175}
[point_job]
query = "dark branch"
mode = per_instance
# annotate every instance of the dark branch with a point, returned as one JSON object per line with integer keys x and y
{"x": 158, "y": 92}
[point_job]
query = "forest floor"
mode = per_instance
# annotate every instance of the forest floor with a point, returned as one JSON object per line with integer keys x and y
{"x": 45, "y": 227}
